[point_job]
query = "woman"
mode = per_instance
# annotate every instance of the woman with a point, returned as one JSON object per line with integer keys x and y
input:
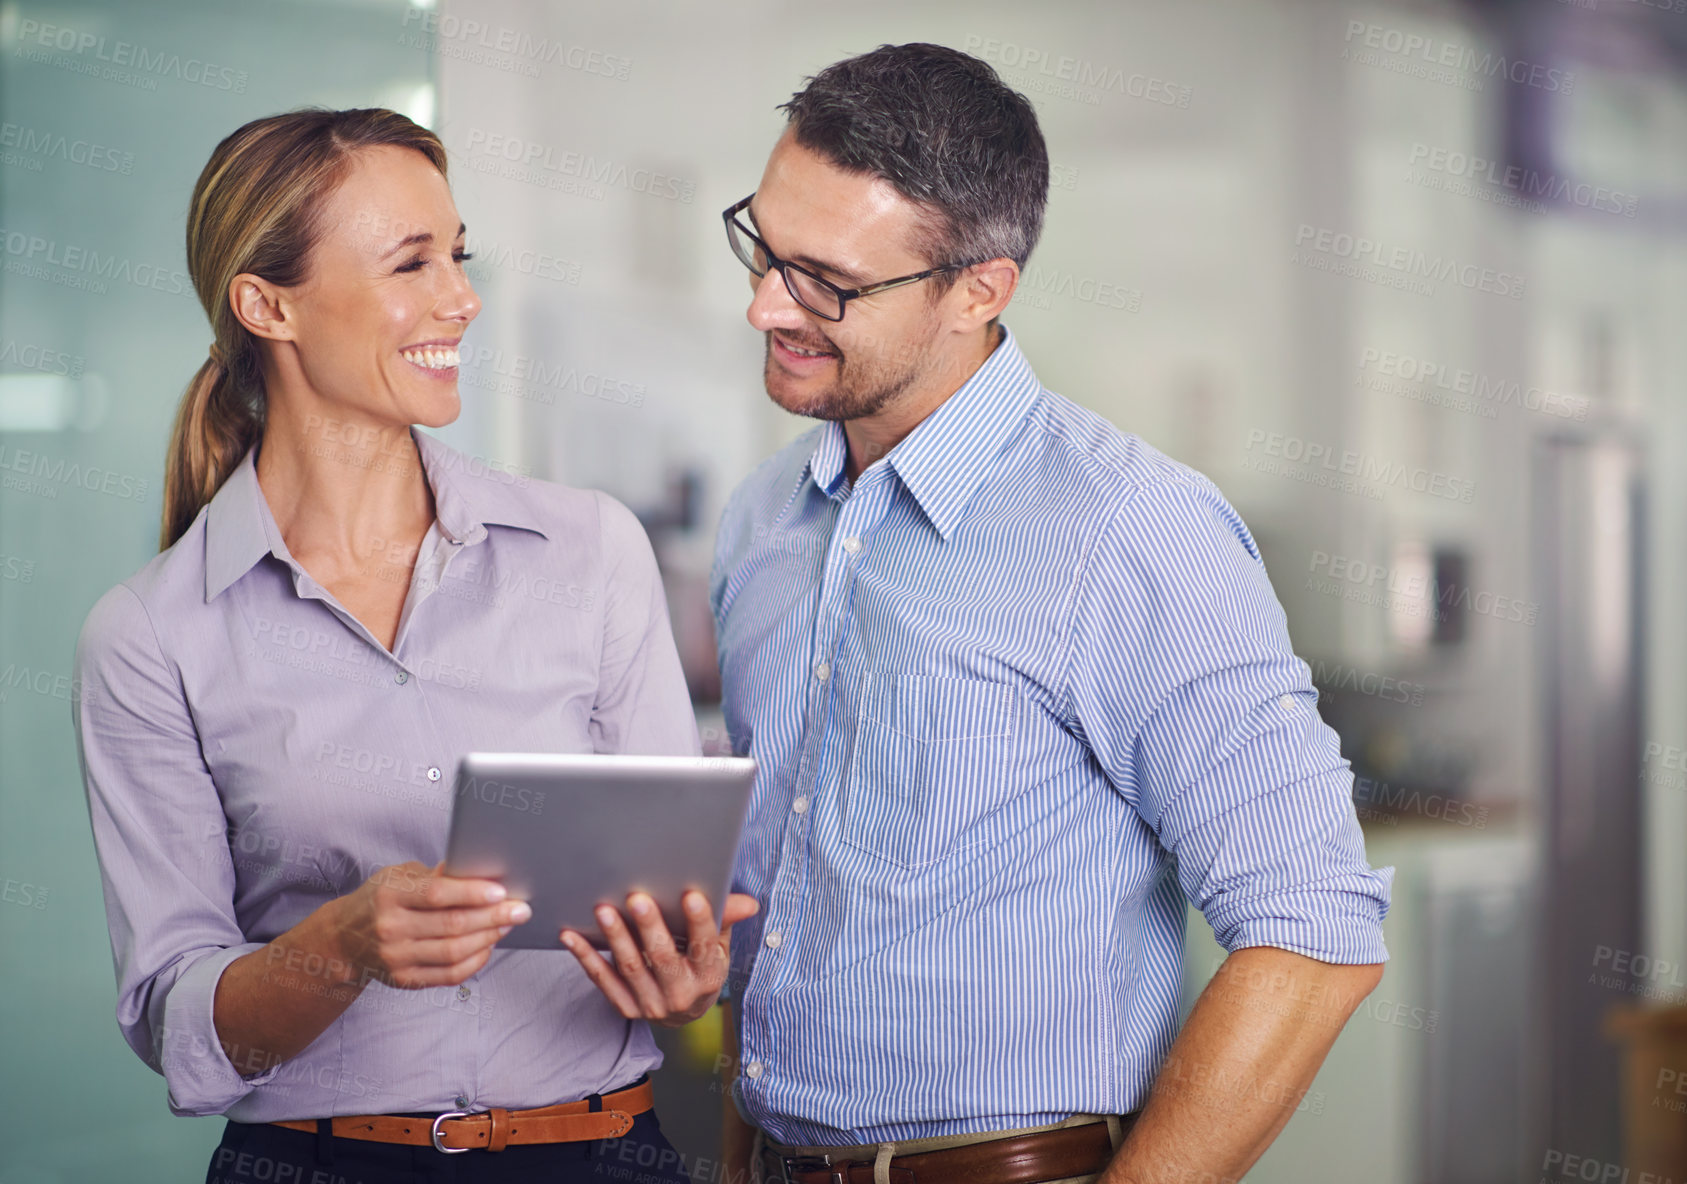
{"x": 272, "y": 709}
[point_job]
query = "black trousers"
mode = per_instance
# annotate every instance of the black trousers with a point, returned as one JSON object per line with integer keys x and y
{"x": 262, "y": 1153}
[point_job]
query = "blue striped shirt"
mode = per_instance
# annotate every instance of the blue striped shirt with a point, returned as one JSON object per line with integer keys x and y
{"x": 1016, "y": 693}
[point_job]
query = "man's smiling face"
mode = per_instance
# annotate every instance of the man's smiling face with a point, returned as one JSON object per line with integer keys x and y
{"x": 854, "y": 229}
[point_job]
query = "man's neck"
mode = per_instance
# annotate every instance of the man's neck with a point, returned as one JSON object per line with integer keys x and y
{"x": 871, "y": 436}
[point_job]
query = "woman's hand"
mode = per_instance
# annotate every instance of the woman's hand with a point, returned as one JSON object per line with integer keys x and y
{"x": 409, "y": 926}
{"x": 657, "y": 982}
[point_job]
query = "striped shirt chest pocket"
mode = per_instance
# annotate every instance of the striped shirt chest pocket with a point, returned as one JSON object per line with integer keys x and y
{"x": 929, "y": 759}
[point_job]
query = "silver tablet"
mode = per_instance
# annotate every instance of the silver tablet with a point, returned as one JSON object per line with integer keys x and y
{"x": 567, "y": 832}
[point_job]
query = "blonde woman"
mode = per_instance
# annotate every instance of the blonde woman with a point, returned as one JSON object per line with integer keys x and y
{"x": 272, "y": 709}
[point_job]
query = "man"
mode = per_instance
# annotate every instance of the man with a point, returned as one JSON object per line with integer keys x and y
{"x": 1017, "y": 684}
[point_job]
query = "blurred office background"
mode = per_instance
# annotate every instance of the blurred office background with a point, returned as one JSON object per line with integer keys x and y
{"x": 1407, "y": 280}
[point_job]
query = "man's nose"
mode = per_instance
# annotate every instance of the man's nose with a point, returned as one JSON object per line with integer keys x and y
{"x": 772, "y": 307}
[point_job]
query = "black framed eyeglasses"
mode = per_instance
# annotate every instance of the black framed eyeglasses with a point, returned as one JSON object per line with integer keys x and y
{"x": 820, "y": 296}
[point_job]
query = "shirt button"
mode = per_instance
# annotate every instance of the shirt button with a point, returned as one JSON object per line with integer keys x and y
{"x": 822, "y": 672}
{"x": 462, "y": 1101}
{"x": 401, "y": 677}
{"x": 773, "y": 939}
{"x": 433, "y": 774}
{"x": 463, "y": 992}
{"x": 800, "y": 806}
{"x": 753, "y": 1070}
{"x": 1287, "y": 702}
{"x": 852, "y": 544}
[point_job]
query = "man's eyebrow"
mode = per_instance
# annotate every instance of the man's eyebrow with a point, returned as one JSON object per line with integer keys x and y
{"x": 810, "y": 262}
{"x": 412, "y": 240}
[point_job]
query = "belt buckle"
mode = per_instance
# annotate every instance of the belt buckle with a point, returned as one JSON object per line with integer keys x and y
{"x": 434, "y": 1131}
{"x": 810, "y": 1163}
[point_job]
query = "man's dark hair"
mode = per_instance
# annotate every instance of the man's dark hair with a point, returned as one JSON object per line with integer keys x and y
{"x": 941, "y": 127}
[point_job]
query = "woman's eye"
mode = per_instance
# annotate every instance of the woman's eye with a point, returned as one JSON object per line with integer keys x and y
{"x": 420, "y": 262}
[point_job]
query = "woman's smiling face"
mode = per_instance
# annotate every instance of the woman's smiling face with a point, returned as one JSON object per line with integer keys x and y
{"x": 385, "y": 301}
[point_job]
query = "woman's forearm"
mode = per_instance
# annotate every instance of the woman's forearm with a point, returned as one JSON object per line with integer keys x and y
{"x": 271, "y": 1003}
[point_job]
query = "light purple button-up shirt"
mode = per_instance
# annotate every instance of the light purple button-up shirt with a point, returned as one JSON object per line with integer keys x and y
{"x": 250, "y": 751}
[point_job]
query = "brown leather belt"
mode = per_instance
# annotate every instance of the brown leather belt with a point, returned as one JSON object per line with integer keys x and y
{"x": 1018, "y": 1159}
{"x": 497, "y": 1128}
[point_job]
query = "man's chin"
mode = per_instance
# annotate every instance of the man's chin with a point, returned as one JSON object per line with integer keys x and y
{"x": 793, "y": 395}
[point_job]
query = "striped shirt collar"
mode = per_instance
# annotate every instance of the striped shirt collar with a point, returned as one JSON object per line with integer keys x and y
{"x": 240, "y": 529}
{"x": 947, "y": 455}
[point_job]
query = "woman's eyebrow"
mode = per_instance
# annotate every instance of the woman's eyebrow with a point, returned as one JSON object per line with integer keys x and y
{"x": 809, "y": 261}
{"x": 425, "y": 237}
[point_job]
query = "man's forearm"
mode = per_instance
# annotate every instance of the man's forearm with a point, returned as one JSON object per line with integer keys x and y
{"x": 1248, "y": 1054}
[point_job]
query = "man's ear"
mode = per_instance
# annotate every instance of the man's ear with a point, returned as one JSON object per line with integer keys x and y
{"x": 262, "y": 307}
{"x": 985, "y": 289}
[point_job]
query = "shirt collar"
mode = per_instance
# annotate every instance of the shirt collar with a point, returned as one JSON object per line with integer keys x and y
{"x": 240, "y": 530}
{"x": 947, "y": 455}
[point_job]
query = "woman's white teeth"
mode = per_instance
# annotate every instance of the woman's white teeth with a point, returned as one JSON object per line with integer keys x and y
{"x": 434, "y": 359}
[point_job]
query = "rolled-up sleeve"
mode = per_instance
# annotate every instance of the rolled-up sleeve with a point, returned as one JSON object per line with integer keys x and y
{"x": 1183, "y": 682}
{"x": 165, "y": 864}
{"x": 643, "y": 705}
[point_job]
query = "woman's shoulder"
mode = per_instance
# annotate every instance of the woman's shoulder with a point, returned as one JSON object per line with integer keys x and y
{"x": 134, "y": 616}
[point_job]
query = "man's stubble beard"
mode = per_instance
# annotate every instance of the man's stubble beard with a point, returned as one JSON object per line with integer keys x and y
{"x": 859, "y": 390}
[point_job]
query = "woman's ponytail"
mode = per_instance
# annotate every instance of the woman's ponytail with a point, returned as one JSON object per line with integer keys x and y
{"x": 215, "y": 426}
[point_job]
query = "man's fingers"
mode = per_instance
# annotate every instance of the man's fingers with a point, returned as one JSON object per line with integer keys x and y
{"x": 702, "y": 938}
{"x": 629, "y": 961}
{"x": 739, "y": 907}
{"x": 605, "y": 979}
{"x": 653, "y": 933}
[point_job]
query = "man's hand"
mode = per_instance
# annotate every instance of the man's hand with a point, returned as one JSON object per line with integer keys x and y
{"x": 647, "y": 977}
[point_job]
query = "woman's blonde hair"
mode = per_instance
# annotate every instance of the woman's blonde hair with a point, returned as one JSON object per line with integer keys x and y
{"x": 257, "y": 208}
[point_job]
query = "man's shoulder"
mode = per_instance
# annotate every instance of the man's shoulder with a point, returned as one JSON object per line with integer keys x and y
{"x": 1115, "y": 463}
{"x": 769, "y": 485}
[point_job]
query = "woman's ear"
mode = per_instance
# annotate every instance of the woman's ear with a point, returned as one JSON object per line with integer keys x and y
{"x": 262, "y": 307}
